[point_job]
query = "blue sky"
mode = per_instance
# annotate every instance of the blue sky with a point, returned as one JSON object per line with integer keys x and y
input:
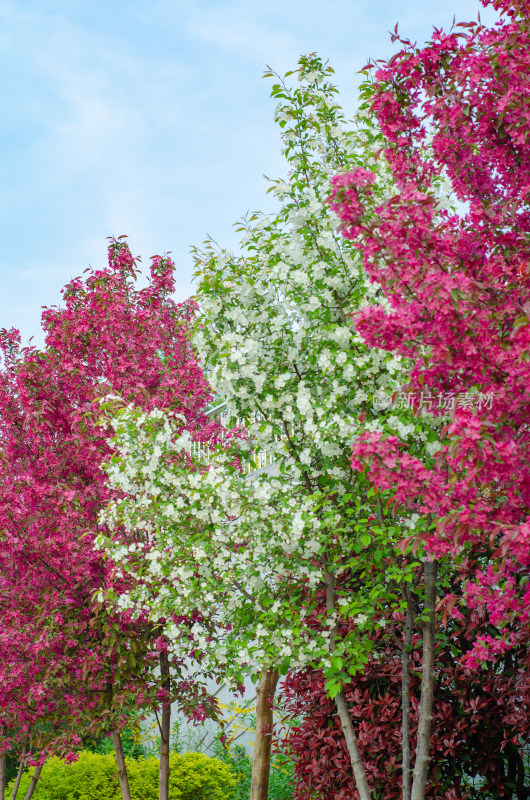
{"x": 152, "y": 119}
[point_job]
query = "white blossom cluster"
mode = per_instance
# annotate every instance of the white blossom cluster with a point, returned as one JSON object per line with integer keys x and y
{"x": 247, "y": 557}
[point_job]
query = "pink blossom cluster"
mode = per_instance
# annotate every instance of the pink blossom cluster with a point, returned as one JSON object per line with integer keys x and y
{"x": 347, "y": 197}
{"x": 65, "y": 665}
{"x": 456, "y": 112}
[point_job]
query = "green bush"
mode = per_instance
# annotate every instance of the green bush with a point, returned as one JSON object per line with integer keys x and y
{"x": 240, "y": 765}
{"x": 193, "y": 776}
{"x": 281, "y": 779}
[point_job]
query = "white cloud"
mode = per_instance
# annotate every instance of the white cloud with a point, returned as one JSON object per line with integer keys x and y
{"x": 239, "y": 31}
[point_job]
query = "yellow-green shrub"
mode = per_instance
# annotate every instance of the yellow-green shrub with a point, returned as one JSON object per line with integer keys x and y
{"x": 193, "y": 776}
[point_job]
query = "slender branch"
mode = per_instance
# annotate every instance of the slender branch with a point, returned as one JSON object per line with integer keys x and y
{"x": 405, "y": 693}
{"x": 3, "y": 775}
{"x": 20, "y": 772}
{"x": 341, "y": 702}
{"x": 158, "y": 722}
{"x": 243, "y": 591}
{"x": 421, "y": 766}
{"x": 33, "y": 784}
{"x": 163, "y": 791}
{"x": 380, "y": 516}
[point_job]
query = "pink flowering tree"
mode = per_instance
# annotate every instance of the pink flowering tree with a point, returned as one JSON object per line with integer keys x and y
{"x": 69, "y": 665}
{"x": 457, "y": 280}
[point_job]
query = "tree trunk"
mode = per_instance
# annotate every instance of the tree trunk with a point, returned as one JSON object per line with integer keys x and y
{"x": 19, "y": 774}
{"x": 421, "y": 766}
{"x": 163, "y": 791}
{"x": 261, "y": 763}
{"x": 120, "y": 763}
{"x": 34, "y": 781}
{"x": 405, "y": 696}
{"x": 3, "y": 776}
{"x": 356, "y": 761}
{"x": 353, "y": 748}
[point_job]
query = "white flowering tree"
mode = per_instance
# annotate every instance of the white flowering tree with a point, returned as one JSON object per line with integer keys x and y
{"x": 276, "y": 558}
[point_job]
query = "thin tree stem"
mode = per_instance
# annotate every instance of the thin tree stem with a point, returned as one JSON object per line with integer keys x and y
{"x": 261, "y": 763}
{"x": 163, "y": 791}
{"x": 405, "y": 695}
{"x": 120, "y": 763}
{"x": 19, "y": 774}
{"x": 34, "y": 781}
{"x": 421, "y": 765}
{"x": 341, "y": 704}
{"x": 3, "y": 776}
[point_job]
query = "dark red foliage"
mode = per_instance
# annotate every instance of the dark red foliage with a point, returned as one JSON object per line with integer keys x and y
{"x": 480, "y": 721}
